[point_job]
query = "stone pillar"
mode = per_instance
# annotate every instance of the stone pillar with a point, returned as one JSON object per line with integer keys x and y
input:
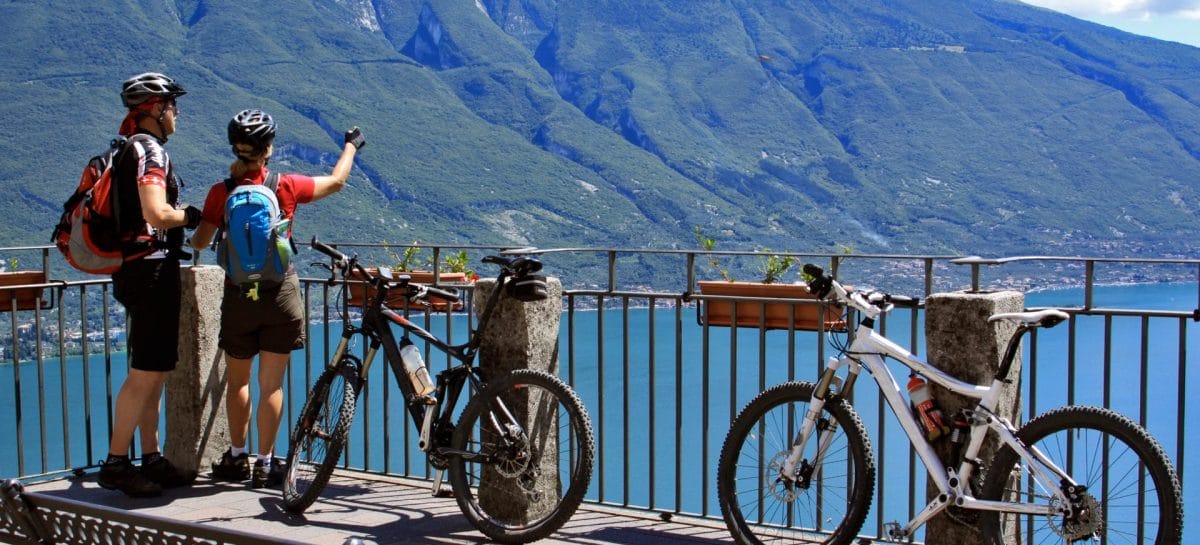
{"x": 962, "y": 342}
{"x": 197, "y": 431}
{"x": 519, "y": 336}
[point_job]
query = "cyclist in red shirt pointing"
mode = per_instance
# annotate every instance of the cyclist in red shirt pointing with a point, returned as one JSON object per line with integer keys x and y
{"x": 271, "y": 323}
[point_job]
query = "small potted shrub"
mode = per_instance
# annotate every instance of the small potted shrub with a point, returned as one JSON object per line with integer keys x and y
{"x": 799, "y": 316}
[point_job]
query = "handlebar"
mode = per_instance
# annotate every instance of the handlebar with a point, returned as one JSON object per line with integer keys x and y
{"x": 344, "y": 264}
{"x": 340, "y": 259}
{"x": 871, "y": 303}
{"x": 518, "y": 265}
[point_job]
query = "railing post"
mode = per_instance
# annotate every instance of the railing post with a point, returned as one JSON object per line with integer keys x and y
{"x": 197, "y": 431}
{"x": 961, "y": 341}
{"x": 519, "y": 336}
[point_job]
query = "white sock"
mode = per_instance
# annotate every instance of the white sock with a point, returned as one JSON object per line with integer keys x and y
{"x": 237, "y": 451}
{"x": 264, "y": 458}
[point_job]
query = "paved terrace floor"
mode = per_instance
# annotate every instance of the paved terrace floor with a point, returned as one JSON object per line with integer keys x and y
{"x": 381, "y": 509}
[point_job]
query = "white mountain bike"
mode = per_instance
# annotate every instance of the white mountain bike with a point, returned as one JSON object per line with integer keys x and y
{"x": 797, "y": 466}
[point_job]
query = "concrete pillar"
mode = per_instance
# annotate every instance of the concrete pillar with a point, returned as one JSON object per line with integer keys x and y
{"x": 197, "y": 431}
{"x": 519, "y": 336}
{"x": 960, "y": 341}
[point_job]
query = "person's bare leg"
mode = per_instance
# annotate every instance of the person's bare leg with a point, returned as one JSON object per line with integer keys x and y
{"x": 270, "y": 398}
{"x": 237, "y": 399}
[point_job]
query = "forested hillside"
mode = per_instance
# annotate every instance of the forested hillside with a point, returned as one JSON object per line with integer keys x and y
{"x": 928, "y": 126}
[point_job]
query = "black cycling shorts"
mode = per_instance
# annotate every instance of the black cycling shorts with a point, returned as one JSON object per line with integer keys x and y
{"x": 150, "y": 291}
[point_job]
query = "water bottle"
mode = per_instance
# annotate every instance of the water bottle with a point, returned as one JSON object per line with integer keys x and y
{"x": 927, "y": 411}
{"x": 414, "y": 365}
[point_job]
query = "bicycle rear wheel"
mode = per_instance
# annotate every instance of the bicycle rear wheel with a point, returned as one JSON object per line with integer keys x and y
{"x": 316, "y": 444}
{"x": 826, "y": 503}
{"x": 1132, "y": 493}
{"x": 525, "y": 450}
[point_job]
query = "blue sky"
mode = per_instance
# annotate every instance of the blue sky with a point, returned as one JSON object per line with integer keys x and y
{"x": 1174, "y": 20}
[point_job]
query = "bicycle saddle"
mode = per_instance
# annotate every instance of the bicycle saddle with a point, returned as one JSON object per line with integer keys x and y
{"x": 520, "y": 265}
{"x": 1039, "y": 318}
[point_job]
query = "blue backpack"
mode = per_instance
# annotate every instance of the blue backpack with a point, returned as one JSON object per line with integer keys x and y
{"x": 254, "y": 248}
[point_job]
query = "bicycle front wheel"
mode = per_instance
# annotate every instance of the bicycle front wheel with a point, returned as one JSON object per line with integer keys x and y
{"x": 825, "y": 502}
{"x": 316, "y": 444}
{"x": 522, "y": 459}
{"x": 1131, "y": 492}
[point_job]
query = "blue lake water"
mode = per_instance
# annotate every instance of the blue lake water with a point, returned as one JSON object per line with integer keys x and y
{"x": 643, "y": 393}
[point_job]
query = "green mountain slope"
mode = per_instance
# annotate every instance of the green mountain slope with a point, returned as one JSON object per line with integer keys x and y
{"x": 933, "y": 126}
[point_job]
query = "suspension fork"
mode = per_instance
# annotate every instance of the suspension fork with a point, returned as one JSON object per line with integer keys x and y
{"x": 828, "y": 385}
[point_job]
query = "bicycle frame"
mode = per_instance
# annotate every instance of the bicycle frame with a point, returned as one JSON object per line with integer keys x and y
{"x": 869, "y": 349}
{"x": 376, "y": 327}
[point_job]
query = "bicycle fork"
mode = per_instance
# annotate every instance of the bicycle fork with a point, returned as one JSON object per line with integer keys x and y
{"x": 829, "y": 384}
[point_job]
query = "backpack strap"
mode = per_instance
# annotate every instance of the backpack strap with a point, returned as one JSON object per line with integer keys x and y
{"x": 141, "y": 246}
{"x": 271, "y": 183}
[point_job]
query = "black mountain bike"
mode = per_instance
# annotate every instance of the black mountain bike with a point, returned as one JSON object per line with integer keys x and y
{"x": 519, "y": 457}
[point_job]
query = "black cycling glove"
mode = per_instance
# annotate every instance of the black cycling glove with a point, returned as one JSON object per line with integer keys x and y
{"x": 355, "y": 136}
{"x": 193, "y": 216}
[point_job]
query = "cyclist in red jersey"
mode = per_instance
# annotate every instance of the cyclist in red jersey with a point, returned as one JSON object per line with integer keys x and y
{"x": 270, "y": 326}
{"x": 148, "y": 283}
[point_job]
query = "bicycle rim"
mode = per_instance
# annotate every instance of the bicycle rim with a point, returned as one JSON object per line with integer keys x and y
{"x": 761, "y": 508}
{"x": 521, "y": 487}
{"x": 320, "y": 433}
{"x": 1132, "y": 494}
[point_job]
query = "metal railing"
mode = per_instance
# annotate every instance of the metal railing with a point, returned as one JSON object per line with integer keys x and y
{"x": 661, "y": 386}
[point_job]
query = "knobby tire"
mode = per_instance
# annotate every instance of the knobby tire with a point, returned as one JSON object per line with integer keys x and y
{"x": 759, "y": 508}
{"x": 1133, "y": 470}
{"x": 320, "y": 435}
{"x": 522, "y": 492}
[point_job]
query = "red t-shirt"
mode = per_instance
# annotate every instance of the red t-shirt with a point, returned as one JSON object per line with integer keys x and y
{"x": 292, "y": 190}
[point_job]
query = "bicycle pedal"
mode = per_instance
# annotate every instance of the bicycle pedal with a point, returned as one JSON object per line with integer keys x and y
{"x": 437, "y": 491}
{"x": 893, "y": 532}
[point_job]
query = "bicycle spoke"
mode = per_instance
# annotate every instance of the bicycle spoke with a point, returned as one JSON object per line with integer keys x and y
{"x": 531, "y": 455}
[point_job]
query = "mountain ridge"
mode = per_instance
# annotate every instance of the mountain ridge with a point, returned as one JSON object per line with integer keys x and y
{"x": 934, "y": 126}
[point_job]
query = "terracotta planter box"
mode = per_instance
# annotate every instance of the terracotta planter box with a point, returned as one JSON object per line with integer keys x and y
{"x": 27, "y": 298}
{"x": 777, "y": 315}
{"x": 360, "y": 293}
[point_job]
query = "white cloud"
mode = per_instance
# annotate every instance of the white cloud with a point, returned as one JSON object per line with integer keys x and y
{"x": 1173, "y": 20}
{"x": 1134, "y": 9}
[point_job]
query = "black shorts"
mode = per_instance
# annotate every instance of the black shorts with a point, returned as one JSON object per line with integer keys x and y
{"x": 273, "y": 323}
{"x": 150, "y": 289}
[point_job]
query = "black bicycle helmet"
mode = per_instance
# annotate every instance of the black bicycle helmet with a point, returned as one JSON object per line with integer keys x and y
{"x": 254, "y": 127}
{"x": 143, "y": 87}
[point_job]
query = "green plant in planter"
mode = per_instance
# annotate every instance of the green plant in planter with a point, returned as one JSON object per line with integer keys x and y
{"x": 774, "y": 266}
{"x": 459, "y": 262}
{"x": 408, "y": 259}
{"x": 707, "y": 244}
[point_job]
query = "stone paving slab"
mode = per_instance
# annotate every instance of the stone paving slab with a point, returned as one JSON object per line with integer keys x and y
{"x": 384, "y": 510}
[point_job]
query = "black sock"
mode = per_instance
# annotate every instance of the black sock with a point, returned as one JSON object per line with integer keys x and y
{"x": 151, "y": 457}
{"x": 117, "y": 459}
